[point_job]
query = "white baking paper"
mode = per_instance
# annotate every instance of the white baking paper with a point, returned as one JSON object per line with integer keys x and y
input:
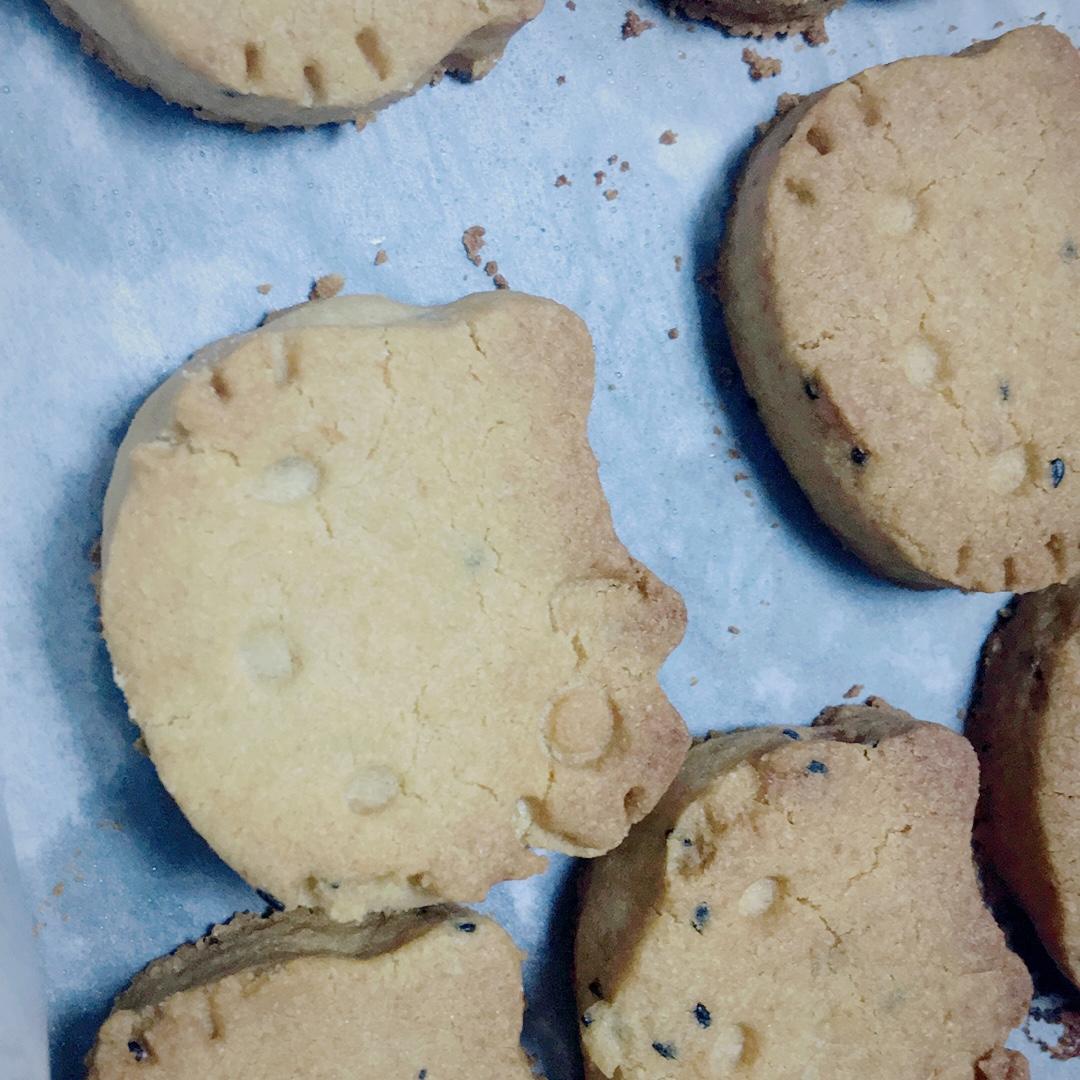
{"x": 131, "y": 234}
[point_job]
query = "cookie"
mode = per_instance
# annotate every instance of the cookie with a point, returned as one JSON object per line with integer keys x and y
{"x": 762, "y": 18}
{"x": 1025, "y": 725}
{"x": 432, "y": 994}
{"x": 361, "y": 588}
{"x": 899, "y": 279}
{"x": 269, "y": 63}
{"x": 802, "y": 904}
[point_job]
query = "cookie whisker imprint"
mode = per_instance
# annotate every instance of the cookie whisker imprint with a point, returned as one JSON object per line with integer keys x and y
{"x": 433, "y": 992}
{"x": 802, "y": 902}
{"x": 421, "y": 656}
{"x": 263, "y": 63}
{"x": 882, "y": 315}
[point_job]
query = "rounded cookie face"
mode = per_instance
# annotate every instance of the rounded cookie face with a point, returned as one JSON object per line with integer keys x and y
{"x": 271, "y": 63}
{"x": 802, "y": 903}
{"x": 763, "y": 18}
{"x": 899, "y": 283}
{"x": 1025, "y": 726}
{"x": 272, "y": 999}
{"x": 361, "y": 589}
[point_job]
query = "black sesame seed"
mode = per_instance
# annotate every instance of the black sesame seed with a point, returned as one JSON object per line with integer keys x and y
{"x": 665, "y": 1050}
{"x": 859, "y": 455}
{"x": 422, "y": 1075}
{"x": 811, "y": 389}
{"x": 817, "y": 767}
{"x": 1057, "y": 471}
{"x": 137, "y": 1050}
{"x": 687, "y": 841}
{"x": 702, "y": 1015}
{"x": 1003, "y": 390}
{"x": 467, "y": 927}
{"x": 595, "y": 988}
{"x": 586, "y": 1019}
{"x": 791, "y": 734}
{"x": 701, "y": 917}
{"x": 1069, "y": 251}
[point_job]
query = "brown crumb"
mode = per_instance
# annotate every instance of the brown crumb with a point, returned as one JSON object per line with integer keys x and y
{"x": 734, "y": 454}
{"x": 635, "y": 25}
{"x": 560, "y": 80}
{"x": 678, "y": 264}
{"x": 669, "y": 137}
{"x": 58, "y": 889}
{"x": 718, "y": 431}
{"x": 1039, "y": 17}
{"x": 693, "y": 680}
{"x": 624, "y": 166}
{"x": 94, "y": 554}
{"x": 264, "y": 288}
{"x": 786, "y": 102}
{"x": 733, "y": 630}
{"x": 500, "y": 282}
{"x": 951, "y": 28}
{"x": 741, "y": 476}
{"x": 761, "y": 67}
{"x": 561, "y": 180}
{"x": 381, "y": 257}
{"x": 998, "y": 25}
{"x": 613, "y": 160}
{"x": 472, "y": 240}
{"x": 611, "y": 193}
{"x": 673, "y": 333}
{"x": 491, "y": 268}
{"x": 854, "y": 691}
{"x": 816, "y": 34}
{"x": 326, "y": 287}
{"x": 570, "y": 5}
{"x": 599, "y": 176}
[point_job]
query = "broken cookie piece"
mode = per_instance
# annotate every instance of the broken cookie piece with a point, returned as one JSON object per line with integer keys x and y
{"x": 763, "y": 18}
{"x": 267, "y": 63}
{"x": 363, "y": 594}
{"x": 434, "y": 993}
{"x": 822, "y": 875}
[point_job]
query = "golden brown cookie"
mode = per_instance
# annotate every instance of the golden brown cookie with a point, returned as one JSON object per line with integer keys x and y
{"x": 434, "y": 995}
{"x": 802, "y": 905}
{"x": 279, "y": 64}
{"x": 761, "y": 18}
{"x": 1026, "y": 727}
{"x": 362, "y": 591}
{"x": 900, "y": 279}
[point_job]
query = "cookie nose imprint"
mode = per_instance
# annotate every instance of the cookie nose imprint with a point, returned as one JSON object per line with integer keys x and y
{"x": 288, "y": 480}
{"x": 580, "y": 726}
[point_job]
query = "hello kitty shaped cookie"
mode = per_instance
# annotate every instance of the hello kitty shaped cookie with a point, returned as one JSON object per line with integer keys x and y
{"x": 362, "y": 591}
{"x": 275, "y": 63}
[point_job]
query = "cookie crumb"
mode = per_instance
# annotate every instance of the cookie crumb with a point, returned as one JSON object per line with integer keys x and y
{"x": 678, "y": 264}
{"x": 381, "y": 257}
{"x": 624, "y": 166}
{"x": 854, "y": 691}
{"x": 673, "y": 333}
{"x": 611, "y": 193}
{"x": 693, "y": 680}
{"x": 741, "y": 476}
{"x": 613, "y": 159}
{"x": 491, "y": 268}
{"x": 560, "y": 80}
{"x": 761, "y": 67}
{"x": 951, "y": 28}
{"x": 94, "y": 554}
{"x": 816, "y": 34}
{"x": 570, "y": 5}
{"x": 58, "y": 889}
{"x": 599, "y": 176}
{"x": 635, "y": 25}
{"x": 733, "y": 453}
{"x": 998, "y": 25}
{"x": 472, "y": 239}
{"x": 264, "y": 288}
{"x": 733, "y": 630}
{"x": 326, "y": 287}
{"x": 669, "y": 137}
{"x": 500, "y": 282}
{"x": 562, "y": 181}
{"x": 1039, "y": 17}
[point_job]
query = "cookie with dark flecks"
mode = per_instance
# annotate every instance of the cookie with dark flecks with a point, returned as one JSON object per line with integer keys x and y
{"x": 297, "y": 995}
{"x": 361, "y": 589}
{"x": 273, "y": 63}
{"x": 802, "y": 904}
{"x": 1025, "y": 725}
{"x": 899, "y": 280}
{"x": 763, "y": 18}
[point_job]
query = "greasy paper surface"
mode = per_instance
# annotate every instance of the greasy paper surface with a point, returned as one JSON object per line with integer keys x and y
{"x": 131, "y": 234}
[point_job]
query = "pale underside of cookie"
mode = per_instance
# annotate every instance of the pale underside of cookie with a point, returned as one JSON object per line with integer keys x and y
{"x": 900, "y": 282}
{"x": 1026, "y": 728}
{"x": 362, "y": 591}
{"x": 279, "y": 64}
{"x": 760, "y": 18}
{"x": 802, "y": 905}
{"x": 435, "y": 993}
